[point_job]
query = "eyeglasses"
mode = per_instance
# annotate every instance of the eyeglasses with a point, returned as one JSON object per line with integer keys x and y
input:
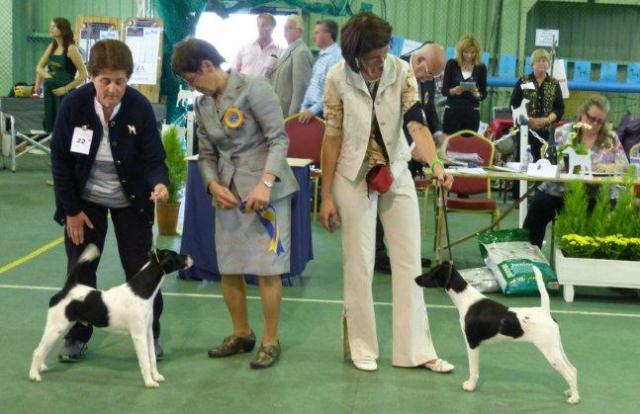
{"x": 593, "y": 119}
{"x": 190, "y": 77}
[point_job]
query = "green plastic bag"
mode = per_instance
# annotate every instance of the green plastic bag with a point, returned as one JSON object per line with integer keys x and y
{"x": 510, "y": 257}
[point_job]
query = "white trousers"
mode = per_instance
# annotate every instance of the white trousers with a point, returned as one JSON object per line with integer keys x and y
{"x": 399, "y": 214}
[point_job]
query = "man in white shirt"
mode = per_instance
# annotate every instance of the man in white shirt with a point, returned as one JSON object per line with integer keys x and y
{"x": 259, "y": 57}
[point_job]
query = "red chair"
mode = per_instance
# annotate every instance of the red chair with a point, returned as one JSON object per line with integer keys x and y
{"x": 634, "y": 154}
{"x": 465, "y": 189}
{"x": 305, "y": 141}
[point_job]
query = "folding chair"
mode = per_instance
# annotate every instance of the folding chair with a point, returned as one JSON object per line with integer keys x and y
{"x": 305, "y": 141}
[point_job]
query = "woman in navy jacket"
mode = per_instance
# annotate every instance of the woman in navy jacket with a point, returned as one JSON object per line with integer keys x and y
{"x": 107, "y": 157}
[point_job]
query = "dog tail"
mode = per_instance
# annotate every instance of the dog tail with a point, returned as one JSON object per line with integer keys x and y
{"x": 544, "y": 296}
{"x": 90, "y": 253}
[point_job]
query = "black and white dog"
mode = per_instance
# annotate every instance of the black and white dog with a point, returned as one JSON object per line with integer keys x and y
{"x": 483, "y": 320}
{"x": 127, "y": 308}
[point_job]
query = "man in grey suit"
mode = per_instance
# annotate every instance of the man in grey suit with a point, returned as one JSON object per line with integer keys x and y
{"x": 292, "y": 72}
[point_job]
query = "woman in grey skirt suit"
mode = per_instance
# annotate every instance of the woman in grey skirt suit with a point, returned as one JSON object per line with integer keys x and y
{"x": 243, "y": 163}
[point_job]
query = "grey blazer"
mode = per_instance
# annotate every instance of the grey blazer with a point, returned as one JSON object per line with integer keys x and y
{"x": 291, "y": 76}
{"x": 237, "y": 157}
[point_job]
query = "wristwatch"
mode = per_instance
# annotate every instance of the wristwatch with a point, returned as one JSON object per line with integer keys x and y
{"x": 267, "y": 183}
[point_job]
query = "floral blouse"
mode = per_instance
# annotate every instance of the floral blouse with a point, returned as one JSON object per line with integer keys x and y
{"x": 611, "y": 152}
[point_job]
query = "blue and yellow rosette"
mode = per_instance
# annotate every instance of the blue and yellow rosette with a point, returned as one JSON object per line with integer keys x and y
{"x": 233, "y": 118}
{"x": 268, "y": 219}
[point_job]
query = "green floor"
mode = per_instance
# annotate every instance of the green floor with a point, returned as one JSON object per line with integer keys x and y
{"x": 599, "y": 331}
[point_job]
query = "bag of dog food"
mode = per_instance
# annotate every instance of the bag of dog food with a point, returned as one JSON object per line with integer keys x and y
{"x": 480, "y": 278}
{"x": 510, "y": 257}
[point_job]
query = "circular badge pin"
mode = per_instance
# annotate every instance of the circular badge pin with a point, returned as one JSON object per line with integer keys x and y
{"x": 233, "y": 118}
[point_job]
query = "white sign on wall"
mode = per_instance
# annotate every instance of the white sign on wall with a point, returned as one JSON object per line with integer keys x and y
{"x": 545, "y": 37}
{"x": 144, "y": 43}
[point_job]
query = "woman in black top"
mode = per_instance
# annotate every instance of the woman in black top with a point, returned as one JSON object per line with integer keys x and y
{"x": 60, "y": 69}
{"x": 545, "y": 104}
{"x": 462, "y": 110}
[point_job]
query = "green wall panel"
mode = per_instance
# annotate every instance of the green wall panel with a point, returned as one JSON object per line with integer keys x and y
{"x": 6, "y": 43}
{"x": 589, "y": 31}
{"x": 34, "y": 17}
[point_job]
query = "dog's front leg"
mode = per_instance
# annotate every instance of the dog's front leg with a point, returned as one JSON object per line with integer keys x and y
{"x": 139, "y": 337}
{"x": 474, "y": 362}
{"x": 152, "y": 354}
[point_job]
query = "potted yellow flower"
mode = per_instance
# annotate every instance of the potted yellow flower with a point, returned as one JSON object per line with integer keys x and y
{"x": 601, "y": 248}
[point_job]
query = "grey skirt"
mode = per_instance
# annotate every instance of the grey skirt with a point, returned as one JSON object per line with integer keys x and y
{"x": 242, "y": 242}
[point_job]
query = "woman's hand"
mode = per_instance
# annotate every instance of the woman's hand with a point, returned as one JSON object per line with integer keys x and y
{"x": 329, "y": 217}
{"x": 456, "y": 91}
{"x": 222, "y": 195}
{"x": 59, "y": 91}
{"x": 75, "y": 227}
{"x": 159, "y": 193}
{"x": 475, "y": 92}
{"x": 444, "y": 179}
{"x": 258, "y": 198}
{"x": 537, "y": 123}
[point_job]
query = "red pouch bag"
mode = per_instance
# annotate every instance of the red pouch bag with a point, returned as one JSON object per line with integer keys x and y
{"x": 379, "y": 178}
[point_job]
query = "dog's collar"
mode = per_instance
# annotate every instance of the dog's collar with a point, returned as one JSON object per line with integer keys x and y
{"x": 448, "y": 281}
{"x": 155, "y": 255}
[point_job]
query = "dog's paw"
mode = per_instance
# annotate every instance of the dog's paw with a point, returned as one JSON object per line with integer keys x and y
{"x": 43, "y": 367}
{"x": 572, "y": 398}
{"x": 151, "y": 384}
{"x": 157, "y": 377}
{"x": 35, "y": 377}
{"x": 469, "y": 385}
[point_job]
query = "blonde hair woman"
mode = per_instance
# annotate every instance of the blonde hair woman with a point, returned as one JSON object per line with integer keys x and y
{"x": 607, "y": 155}
{"x": 545, "y": 98}
{"x": 465, "y": 86}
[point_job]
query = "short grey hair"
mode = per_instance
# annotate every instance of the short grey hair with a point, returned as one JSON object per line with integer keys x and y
{"x": 297, "y": 20}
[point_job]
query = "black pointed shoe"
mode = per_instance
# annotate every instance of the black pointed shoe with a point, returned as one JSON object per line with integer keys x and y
{"x": 233, "y": 345}
{"x": 72, "y": 351}
{"x": 266, "y": 356}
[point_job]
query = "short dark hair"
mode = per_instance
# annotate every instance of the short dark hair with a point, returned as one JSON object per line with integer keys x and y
{"x": 188, "y": 55}
{"x": 363, "y": 33}
{"x": 331, "y": 27}
{"x": 110, "y": 54}
{"x": 268, "y": 17}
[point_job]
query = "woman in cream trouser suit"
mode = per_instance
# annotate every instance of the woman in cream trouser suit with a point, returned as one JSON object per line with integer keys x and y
{"x": 367, "y": 79}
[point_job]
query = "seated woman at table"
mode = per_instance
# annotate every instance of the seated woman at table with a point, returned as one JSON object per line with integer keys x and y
{"x": 243, "y": 163}
{"x": 607, "y": 155}
{"x": 65, "y": 69}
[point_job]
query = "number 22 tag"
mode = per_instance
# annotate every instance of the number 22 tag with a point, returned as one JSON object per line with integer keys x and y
{"x": 81, "y": 140}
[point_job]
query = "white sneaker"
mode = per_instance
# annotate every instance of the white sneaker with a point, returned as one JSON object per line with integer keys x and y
{"x": 369, "y": 365}
{"x": 439, "y": 365}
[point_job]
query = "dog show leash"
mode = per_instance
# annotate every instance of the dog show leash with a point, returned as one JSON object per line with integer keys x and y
{"x": 446, "y": 228}
{"x": 154, "y": 229}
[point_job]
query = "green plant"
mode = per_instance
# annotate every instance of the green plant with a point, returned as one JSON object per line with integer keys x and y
{"x": 600, "y": 219}
{"x": 573, "y": 217}
{"x": 176, "y": 164}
